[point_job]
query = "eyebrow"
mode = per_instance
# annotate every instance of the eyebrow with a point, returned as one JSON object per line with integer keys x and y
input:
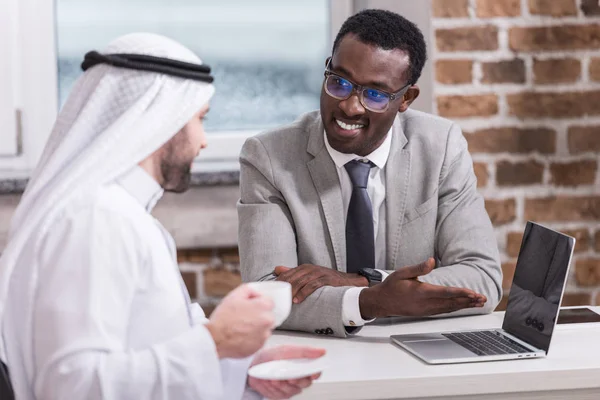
{"x": 374, "y": 84}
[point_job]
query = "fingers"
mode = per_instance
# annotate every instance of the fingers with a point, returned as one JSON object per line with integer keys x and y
{"x": 266, "y": 389}
{"x": 290, "y": 352}
{"x": 301, "y": 277}
{"x": 280, "y": 269}
{"x": 447, "y": 292}
{"x": 443, "y": 306}
{"x": 414, "y": 271}
{"x": 301, "y": 383}
{"x": 307, "y": 290}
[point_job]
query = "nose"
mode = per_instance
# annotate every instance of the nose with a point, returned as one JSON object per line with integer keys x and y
{"x": 352, "y": 106}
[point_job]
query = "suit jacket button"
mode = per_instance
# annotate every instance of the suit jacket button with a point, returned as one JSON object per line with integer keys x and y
{"x": 329, "y": 331}
{"x": 318, "y": 331}
{"x": 528, "y": 321}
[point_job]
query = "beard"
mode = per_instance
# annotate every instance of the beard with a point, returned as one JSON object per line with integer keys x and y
{"x": 177, "y": 176}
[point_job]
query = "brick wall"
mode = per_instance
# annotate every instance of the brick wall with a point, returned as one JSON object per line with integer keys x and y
{"x": 522, "y": 78}
{"x": 209, "y": 274}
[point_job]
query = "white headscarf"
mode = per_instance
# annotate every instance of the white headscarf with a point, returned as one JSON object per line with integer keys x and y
{"x": 113, "y": 119}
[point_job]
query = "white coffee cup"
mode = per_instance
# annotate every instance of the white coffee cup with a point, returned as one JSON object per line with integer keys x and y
{"x": 280, "y": 293}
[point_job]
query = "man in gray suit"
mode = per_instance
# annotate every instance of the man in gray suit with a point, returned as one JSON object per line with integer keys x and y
{"x": 367, "y": 208}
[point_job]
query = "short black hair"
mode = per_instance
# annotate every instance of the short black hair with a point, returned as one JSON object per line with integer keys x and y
{"x": 388, "y": 31}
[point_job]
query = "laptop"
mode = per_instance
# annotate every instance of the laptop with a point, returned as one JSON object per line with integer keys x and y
{"x": 531, "y": 313}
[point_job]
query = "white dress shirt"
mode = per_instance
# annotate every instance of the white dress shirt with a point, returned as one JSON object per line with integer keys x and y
{"x": 351, "y": 315}
{"x": 97, "y": 308}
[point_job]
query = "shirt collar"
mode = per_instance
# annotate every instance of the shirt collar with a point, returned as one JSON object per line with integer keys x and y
{"x": 378, "y": 156}
{"x": 139, "y": 184}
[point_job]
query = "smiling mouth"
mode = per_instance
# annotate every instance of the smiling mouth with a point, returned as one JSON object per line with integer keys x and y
{"x": 348, "y": 127}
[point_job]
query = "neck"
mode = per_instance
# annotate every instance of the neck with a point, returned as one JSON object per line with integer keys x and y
{"x": 152, "y": 167}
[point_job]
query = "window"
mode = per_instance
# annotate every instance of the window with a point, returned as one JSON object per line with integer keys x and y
{"x": 267, "y": 57}
{"x": 9, "y": 136}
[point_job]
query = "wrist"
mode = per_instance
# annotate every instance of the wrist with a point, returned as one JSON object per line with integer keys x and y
{"x": 359, "y": 280}
{"x": 369, "y": 304}
{"x": 218, "y": 339}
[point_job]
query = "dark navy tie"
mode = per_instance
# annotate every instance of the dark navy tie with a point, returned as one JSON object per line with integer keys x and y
{"x": 360, "y": 240}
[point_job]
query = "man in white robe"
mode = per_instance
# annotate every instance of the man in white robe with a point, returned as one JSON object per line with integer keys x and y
{"x": 92, "y": 304}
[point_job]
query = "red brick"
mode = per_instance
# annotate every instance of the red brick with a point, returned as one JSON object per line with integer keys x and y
{"x": 450, "y": 8}
{"x": 595, "y": 69}
{"x": 513, "y": 243}
{"x": 229, "y": 255}
{"x": 501, "y": 211}
{"x": 508, "y": 272}
{"x": 510, "y": 71}
{"x": 554, "y": 105}
{"x": 512, "y": 140}
{"x": 220, "y": 281}
{"x": 519, "y": 173}
{"x": 576, "y": 299}
{"x": 583, "y": 139}
{"x": 563, "y": 208}
{"x": 484, "y": 105}
{"x": 582, "y": 241}
{"x": 481, "y": 173}
{"x": 200, "y": 256}
{"x": 573, "y": 173}
{"x": 582, "y": 238}
{"x": 555, "y": 8}
{"x": 182, "y": 256}
{"x": 556, "y": 37}
{"x": 590, "y": 7}
{"x": 478, "y": 38}
{"x": 597, "y": 303}
{"x": 597, "y": 242}
{"x": 587, "y": 272}
{"x": 557, "y": 70}
{"x": 498, "y": 8}
{"x": 452, "y": 72}
{"x": 189, "y": 278}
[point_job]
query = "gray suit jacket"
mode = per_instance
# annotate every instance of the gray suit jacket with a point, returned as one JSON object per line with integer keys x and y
{"x": 291, "y": 213}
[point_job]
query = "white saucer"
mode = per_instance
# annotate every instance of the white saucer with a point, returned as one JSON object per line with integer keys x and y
{"x": 287, "y": 369}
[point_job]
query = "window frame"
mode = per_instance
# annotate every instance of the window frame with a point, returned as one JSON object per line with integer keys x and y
{"x": 34, "y": 74}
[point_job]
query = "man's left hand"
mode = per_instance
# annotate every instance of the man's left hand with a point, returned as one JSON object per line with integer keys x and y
{"x": 283, "y": 389}
{"x": 307, "y": 278}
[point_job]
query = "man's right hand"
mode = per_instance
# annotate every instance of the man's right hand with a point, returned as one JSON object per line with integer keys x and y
{"x": 242, "y": 323}
{"x": 401, "y": 294}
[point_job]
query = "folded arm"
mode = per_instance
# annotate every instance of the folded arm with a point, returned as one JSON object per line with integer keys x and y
{"x": 267, "y": 239}
{"x": 465, "y": 242}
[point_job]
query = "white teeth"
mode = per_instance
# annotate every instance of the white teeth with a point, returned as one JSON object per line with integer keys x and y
{"x": 348, "y": 127}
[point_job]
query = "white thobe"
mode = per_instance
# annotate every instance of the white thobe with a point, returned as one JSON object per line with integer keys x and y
{"x": 97, "y": 308}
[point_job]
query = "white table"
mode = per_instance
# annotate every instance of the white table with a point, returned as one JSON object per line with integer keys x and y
{"x": 369, "y": 366}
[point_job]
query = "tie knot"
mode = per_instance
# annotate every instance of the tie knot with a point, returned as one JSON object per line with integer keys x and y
{"x": 359, "y": 172}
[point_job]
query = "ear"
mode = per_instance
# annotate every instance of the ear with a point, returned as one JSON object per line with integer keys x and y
{"x": 411, "y": 94}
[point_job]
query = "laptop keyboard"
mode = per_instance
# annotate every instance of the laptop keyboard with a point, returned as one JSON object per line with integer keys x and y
{"x": 486, "y": 343}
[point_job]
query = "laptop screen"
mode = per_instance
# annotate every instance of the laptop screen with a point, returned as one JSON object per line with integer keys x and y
{"x": 538, "y": 285}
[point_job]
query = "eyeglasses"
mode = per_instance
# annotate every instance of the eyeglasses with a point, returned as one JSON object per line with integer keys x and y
{"x": 372, "y": 99}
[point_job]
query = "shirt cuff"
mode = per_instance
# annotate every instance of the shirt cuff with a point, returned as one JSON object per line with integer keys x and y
{"x": 351, "y": 316}
{"x": 197, "y": 314}
{"x": 384, "y": 273}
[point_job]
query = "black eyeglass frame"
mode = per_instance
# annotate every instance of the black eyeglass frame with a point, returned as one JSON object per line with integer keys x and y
{"x": 361, "y": 89}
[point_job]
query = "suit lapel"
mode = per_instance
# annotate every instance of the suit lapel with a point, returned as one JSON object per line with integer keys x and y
{"x": 325, "y": 178}
{"x": 397, "y": 178}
